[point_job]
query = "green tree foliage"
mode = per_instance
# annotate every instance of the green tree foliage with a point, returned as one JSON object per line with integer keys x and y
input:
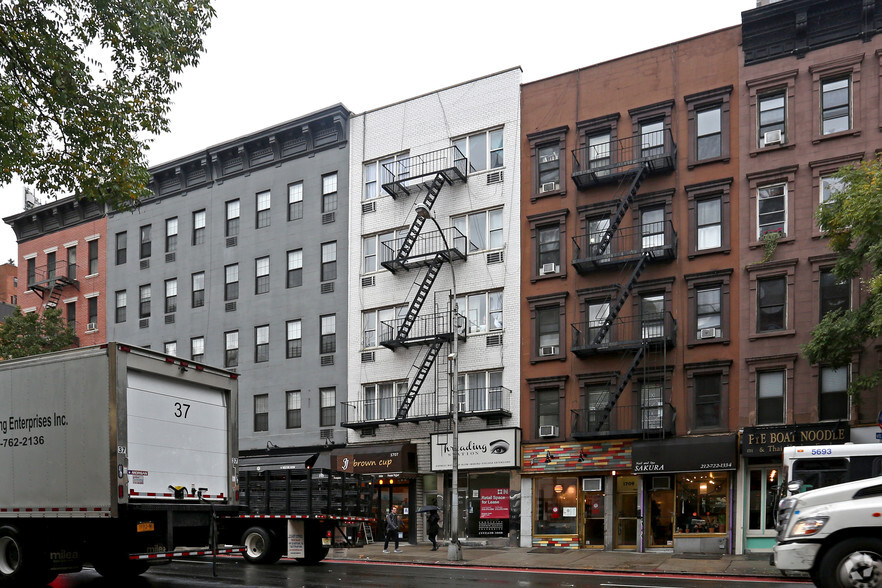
{"x": 84, "y": 83}
{"x": 852, "y": 219}
{"x": 31, "y": 334}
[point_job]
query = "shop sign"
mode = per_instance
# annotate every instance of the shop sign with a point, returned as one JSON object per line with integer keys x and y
{"x": 494, "y": 503}
{"x": 685, "y": 454}
{"x": 372, "y": 460}
{"x": 494, "y": 448}
{"x": 773, "y": 440}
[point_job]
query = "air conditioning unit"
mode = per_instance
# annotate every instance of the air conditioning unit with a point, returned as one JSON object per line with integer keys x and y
{"x": 548, "y": 268}
{"x": 592, "y": 484}
{"x": 548, "y": 430}
{"x": 92, "y": 327}
{"x": 775, "y": 137}
{"x": 549, "y": 187}
{"x": 661, "y": 483}
{"x": 708, "y": 333}
{"x": 548, "y": 350}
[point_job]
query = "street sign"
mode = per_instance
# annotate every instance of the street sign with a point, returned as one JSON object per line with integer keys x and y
{"x": 879, "y": 435}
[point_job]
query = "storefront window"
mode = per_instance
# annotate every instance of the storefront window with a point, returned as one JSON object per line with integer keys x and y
{"x": 763, "y": 499}
{"x": 661, "y": 512}
{"x": 556, "y": 506}
{"x": 489, "y": 505}
{"x": 702, "y": 502}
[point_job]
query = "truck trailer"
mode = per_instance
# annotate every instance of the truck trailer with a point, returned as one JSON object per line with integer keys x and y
{"x": 112, "y": 455}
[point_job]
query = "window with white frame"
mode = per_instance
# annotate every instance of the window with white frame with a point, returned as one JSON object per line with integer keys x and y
{"x": 709, "y": 222}
{"x": 708, "y": 311}
{"x": 329, "y": 261}
{"x": 328, "y": 410}
{"x": 835, "y": 105}
{"x": 480, "y": 390}
{"x": 651, "y": 404}
{"x": 293, "y": 341}
{"x": 381, "y": 400}
{"x": 482, "y": 230}
{"x": 830, "y": 185}
{"x": 171, "y": 295}
{"x": 144, "y": 307}
{"x": 377, "y": 173}
{"x": 484, "y": 150}
{"x": 708, "y": 129}
{"x": 549, "y": 167}
{"x": 231, "y": 282}
{"x": 120, "y": 306}
{"x": 231, "y": 348}
{"x": 771, "y": 209}
{"x": 231, "y": 228}
{"x": 262, "y": 275}
{"x": 293, "y": 402}
{"x": 263, "y": 209}
{"x": 198, "y": 288}
{"x": 373, "y": 329}
{"x": 598, "y": 150}
{"x": 295, "y": 201}
{"x": 771, "y": 125}
{"x": 261, "y": 343}
{"x": 329, "y": 192}
{"x": 483, "y": 311}
{"x": 261, "y": 412}
{"x": 198, "y": 227}
{"x": 145, "y": 242}
{"x": 294, "y": 276}
{"x": 171, "y": 234}
{"x": 328, "y": 335}
{"x": 171, "y": 348}
{"x": 379, "y": 248}
{"x": 652, "y": 138}
{"x": 197, "y": 348}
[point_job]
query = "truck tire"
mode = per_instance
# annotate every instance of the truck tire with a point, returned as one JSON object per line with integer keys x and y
{"x": 261, "y": 546}
{"x": 22, "y": 562}
{"x": 313, "y": 550}
{"x": 852, "y": 563}
{"x": 120, "y": 568}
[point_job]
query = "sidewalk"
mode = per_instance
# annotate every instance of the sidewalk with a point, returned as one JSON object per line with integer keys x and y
{"x": 753, "y": 565}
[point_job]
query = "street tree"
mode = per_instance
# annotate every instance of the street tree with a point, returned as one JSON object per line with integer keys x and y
{"x": 31, "y": 334}
{"x": 84, "y": 84}
{"x": 852, "y": 220}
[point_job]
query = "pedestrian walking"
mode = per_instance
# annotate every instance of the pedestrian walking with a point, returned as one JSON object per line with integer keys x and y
{"x": 432, "y": 528}
{"x": 393, "y": 523}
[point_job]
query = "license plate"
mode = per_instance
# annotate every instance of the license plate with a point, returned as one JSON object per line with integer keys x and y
{"x": 326, "y": 540}
{"x": 144, "y": 527}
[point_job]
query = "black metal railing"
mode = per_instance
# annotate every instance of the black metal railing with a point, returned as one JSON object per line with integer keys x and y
{"x": 634, "y": 419}
{"x": 655, "y": 330}
{"x": 426, "y": 329}
{"x": 400, "y": 176}
{"x": 605, "y": 162}
{"x": 627, "y": 245}
{"x": 46, "y": 275}
{"x": 489, "y": 402}
{"x": 425, "y": 248}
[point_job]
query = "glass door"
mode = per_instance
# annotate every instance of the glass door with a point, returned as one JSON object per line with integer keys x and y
{"x": 592, "y": 507}
{"x": 626, "y": 512}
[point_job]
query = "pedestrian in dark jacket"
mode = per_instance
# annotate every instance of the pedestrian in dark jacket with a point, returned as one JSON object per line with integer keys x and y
{"x": 432, "y": 528}
{"x": 393, "y": 523}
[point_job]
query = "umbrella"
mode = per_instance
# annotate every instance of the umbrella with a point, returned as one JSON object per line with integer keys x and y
{"x": 427, "y": 508}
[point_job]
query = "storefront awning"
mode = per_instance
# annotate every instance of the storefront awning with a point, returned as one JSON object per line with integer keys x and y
{"x": 297, "y": 461}
{"x": 685, "y": 454}
{"x": 375, "y": 459}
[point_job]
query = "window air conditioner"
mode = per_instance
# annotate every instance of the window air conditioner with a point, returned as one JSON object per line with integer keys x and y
{"x": 92, "y": 326}
{"x": 775, "y": 137}
{"x": 549, "y": 187}
{"x": 592, "y": 484}
{"x": 548, "y": 350}
{"x": 548, "y": 431}
{"x": 548, "y": 268}
{"x": 708, "y": 333}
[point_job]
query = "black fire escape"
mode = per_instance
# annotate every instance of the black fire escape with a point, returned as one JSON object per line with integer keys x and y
{"x": 628, "y": 162}
{"x": 427, "y": 253}
{"x": 51, "y": 280}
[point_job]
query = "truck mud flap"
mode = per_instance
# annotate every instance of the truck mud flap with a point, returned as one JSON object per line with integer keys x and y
{"x": 189, "y": 553}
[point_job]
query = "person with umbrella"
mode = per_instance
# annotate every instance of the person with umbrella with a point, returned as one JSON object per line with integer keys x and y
{"x": 432, "y": 523}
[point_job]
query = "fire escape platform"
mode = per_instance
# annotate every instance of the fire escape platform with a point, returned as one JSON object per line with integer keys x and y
{"x": 414, "y": 174}
{"x": 449, "y": 244}
{"x": 648, "y": 422}
{"x": 609, "y": 162}
{"x": 627, "y": 246}
{"x": 431, "y": 329}
{"x": 625, "y": 334}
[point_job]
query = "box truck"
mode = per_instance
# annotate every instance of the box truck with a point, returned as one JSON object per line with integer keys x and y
{"x": 112, "y": 455}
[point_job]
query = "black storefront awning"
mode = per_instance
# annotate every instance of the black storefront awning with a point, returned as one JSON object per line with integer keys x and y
{"x": 685, "y": 454}
{"x": 375, "y": 459}
{"x": 297, "y": 461}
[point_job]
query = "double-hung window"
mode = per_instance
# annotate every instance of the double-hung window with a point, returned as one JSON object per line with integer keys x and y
{"x": 651, "y": 405}
{"x": 598, "y": 150}
{"x": 835, "y": 105}
{"x": 833, "y": 401}
{"x": 294, "y": 276}
{"x": 549, "y": 167}
{"x": 293, "y": 340}
{"x": 231, "y": 348}
{"x": 328, "y": 410}
{"x": 197, "y": 348}
{"x": 771, "y": 125}
{"x": 482, "y": 310}
{"x": 830, "y": 186}
{"x": 652, "y": 138}
{"x": 484, "y": 150}
{"x": 295, "y": 201}
{"x": 263, "y": 209}
{"x": 835, "y": 294}
{"x": 771, "y": 209}
{"x": 379, "y": 248}
{"x": 262, "y": 275}
{"x": 293, "y": 402}
{"x": 480, "y": 390}
{"x": 329, "y": 192}
{"x": 771, "y": 304}
{"x": 549, "y": 249}
{"x": 144, "y": 306}
{"x": 482, "y": 230}
{"x": 145, "y": 242}
{"x": 198, "y": 288}
{"x": 383, "y": 171}
{"x": 770, "y": 397}
{"x": 93, "y": 257}
{"x": 548, "y": 322}
{"x": 198, "y": 227}
{"x": 72, "y": 262}
{"x": 231, "y": 229}
{"x": 261, "y": 412}
{"x": 652, "y": 316}
{"x": 171, "y": 295}
{"x": 373, "y": 328}
{"x": 596, "y": 399}
{"x": 171, "y": 234}
{"x": 709, "y": 138}
{"x": 171, "y": 348}
{"x": 121, "y": 247}
{"x": 652, "y": 227}
{"x": 231, "y": 282}
{"x": 708, "y": 398}
{"x": 329, "y": 261}
{"x": 708, "y": 312}
{"x": 709, "y": 223}
{"x": 261, "y": 343}
{"x": 328, "y": 333}
{"x": 121, "y": 306}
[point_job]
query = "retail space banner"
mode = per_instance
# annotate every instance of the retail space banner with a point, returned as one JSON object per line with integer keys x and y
{"x": 685, "y": 454}
{"x": 494, "y": 448}
{"x": 494, "y": 503}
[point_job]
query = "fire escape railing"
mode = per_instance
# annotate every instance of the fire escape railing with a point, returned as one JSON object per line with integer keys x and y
{"x": 648, "y": 420}
{"x": 407, "y": 175}
{"x": 627, "y": 245}
{"x": 624, "y": 333}
{"x": 50, "y": 280}
{"x": 605, "y": 162}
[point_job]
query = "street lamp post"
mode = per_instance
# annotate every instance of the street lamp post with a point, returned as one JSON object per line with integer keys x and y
{"x": 454, "y": 549}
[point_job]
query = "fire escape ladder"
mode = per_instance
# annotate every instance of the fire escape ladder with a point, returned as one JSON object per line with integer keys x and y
{"x": 635, "y": 363}
{"x": 624, "y": 204}
{"x": 407, "y": 245}
{"x": 620, "y": 301}
{"x": 54, "y": 295}
{"x": 423, "y": 370}
{"x": 420, "y": 298}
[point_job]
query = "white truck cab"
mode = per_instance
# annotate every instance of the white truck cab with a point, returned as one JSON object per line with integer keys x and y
{"x": 834, "y": 534}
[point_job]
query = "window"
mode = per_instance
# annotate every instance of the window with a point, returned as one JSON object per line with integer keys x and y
{"x": 197, "y": 348}
{"x": 547, "y": 320}
{"x": 231, "y": 282}
{"x": 329, "y": 261}
{"x": 709, "y": 223}
{"x": 292, "y": 409}
{"x": 92, "y": 309}
{"x": 599, "y": 150}
{"x": 651, "y": 405}
{"x": 549, "y": 331}
{"x": 376, "y": 173}
{"x": 549, "y": 249}
{"x": 261, "y": 344}
{"x": 595, "y": 401}
{"x": 263, "y": 209}
{"x": 480, "y": 390}
{"x": 548, "y": 409}
{"x": 171, "y": 348}
{"x": 835, "y": 294}
{"x": 708, "y": 136}
{"x": 328, "y": 340}
{"x": 549, "y": 168}
{"x": 596, "y": 313}
{"x": 261, "y": 275}
{"x": 231, "y": 228}
{"x": 380, "y": 400}
{"x": 483, "y": 311}
{"x": 198, "y": 227}
{"x": 32, "y": 271}
{"x": 293, "y": 342}
{"x": 51, "y": 264}
{"x": 484, "y": 150}
{"x": 770, "y": 397}
{"x": 328, "y": 413}
{"x": 835, "y": 105}
{"x": 543, "y": 228}
{"x": 379, "y": 248}
{"x": 708, "y": 124}
{"x": 294, "y": 277}
{"x": 652, "y": 316}
{"x": 144, "y": 298}
{"x": 707, "y": 392}
{"x": 261, "y": 412}
{"x": 652, "y": 227}
{"x": 833, "y": 400}
{"x": 371, "y": 320}
{"x": 597, "y": 229}
{"x": 763, "y": 500}
{"x": 171, "y": 295}
{"x": 652, "y": 138}
{"x": 121, "y": 239}
{"x": 772, "y": 120}
{"x": 231, "y": 349}
{"x": 482, "y": 230}
{"x": 93, "y": 257}
{"x": 556, "y": 506}
{"x": 295, "y": 201}
{"x": 831, "y": 185}
{"x": 708, "y": 312}
{"x": 171, "y": 234}
{"x": 120, "y": 306}
{"x": 145, "y": 242}
{"x": 329, "y": 192}
{"x": 71, "y": 312}
{"x": 198, "y": 286}
{"x": 771, "y": 304}
{"x": 771, "y": 209}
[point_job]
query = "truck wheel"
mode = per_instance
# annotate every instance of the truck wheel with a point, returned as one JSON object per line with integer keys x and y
{"x": 852, "y": 563}
{"x": 313, "y": 550}
{"x": 21, "y": 562}
{"x": 260, "y": 546}
{"x": 120, "y": 568}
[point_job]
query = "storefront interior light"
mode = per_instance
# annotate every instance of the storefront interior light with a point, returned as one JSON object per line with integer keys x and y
{"x": 558, "y": 488}
{"x": 614, "y": 472}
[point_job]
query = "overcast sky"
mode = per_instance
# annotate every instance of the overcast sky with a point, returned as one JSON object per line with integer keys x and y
{"x": 269, "y": 61}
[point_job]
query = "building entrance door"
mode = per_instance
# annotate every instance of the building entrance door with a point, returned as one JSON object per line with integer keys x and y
{"x": 626, "y": 512}
{"x": 592, "y": 507}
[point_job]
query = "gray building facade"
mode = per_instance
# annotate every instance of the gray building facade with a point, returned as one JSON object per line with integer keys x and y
{"x": 240, "y": 260}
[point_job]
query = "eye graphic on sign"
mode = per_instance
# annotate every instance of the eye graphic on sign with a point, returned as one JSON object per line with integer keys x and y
{"x": 499, "y": 446}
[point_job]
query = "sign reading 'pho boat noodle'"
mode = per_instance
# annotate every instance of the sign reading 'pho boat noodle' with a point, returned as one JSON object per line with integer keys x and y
{"x": 773, "y": 440}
